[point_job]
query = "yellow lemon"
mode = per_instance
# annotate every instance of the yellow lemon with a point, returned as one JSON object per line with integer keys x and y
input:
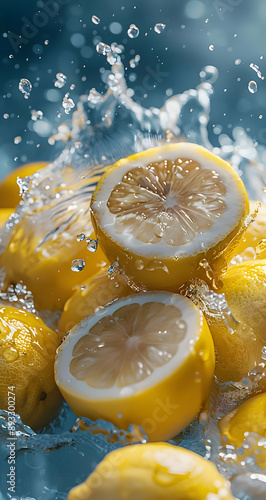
{"x": 27, "y": 353}
{"x": 4, "y": 215}
{"x": 9, "y": 190}
{"x": 95, "y": 292}
{"x": 156, "y": 471}
{"x": 247, "y": 425}
{"x": 146, "y": 359}
{"x": 253, "y": 236}
{"x": 166, "y": 213}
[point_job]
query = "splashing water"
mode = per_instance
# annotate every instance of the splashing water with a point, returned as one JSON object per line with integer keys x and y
{"x": 55, "y": 208}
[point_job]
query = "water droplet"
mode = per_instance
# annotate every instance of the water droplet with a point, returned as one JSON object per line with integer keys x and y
{"x": 133, "y": 31}
{"x": 36, "y": 115}
{"x": 24, "y": 185}
{"x": 68, "y": 103}
{"x": 10, "y": 354}
{"x": 83, "y": 287}
{"x": 72, "y": 86}
{"x": 237, "y": 62}
{"x": 117, "y": 49}
{"x": 113, "y": 269}
{"x": 135, "y": 61}
{"x": 17, "y": 139}
{"x": 139, "y": 265}
{"x": 25, "y": 87}
{"x": 103, "y": 48}
{"x": 6, "y": 116}
{"x": 209, "y": 74}
{"x": 159, "y": 27}
{"x": 252, "y": 87}
{"x": 92, "y": 245}
{"x": 261, "y": 246}
{"x": 256, "y": 68}
{"x": 11, "y": 56}
{"x": 211, "y": 47}
{"x": 46, "y": 42}
{"x": 94, "y": 96}
{"x": 60, "y": 80}
{"x": 80, "y": 237}
{"x": 95, "y": 19}
{"x": 77, "y": 265}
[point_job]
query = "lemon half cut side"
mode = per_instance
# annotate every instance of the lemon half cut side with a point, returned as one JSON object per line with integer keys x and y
{"x": 147, "y": 359}
{"x": 159, "y": 213}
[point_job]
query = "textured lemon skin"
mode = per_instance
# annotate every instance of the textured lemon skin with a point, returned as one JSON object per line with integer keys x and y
{"x": 169, "y": 273}
{"x": 153, "y": 471}
{"x": 164, "y": 409}
{"x": 9, "y": 190}
{"x": 50, "y": 279}
{"x": 4, "y": 215}
{"x": 244, "y": 288}
{"x": 250, "y": 416}
{"x": 100, "y": 290}
{"x": 27, "y": 353}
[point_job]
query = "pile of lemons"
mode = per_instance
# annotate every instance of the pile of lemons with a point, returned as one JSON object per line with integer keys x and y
{"x": 130, "y": 348}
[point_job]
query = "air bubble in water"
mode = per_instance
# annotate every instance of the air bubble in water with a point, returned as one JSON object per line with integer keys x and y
{"x": 80, "y": 237}
{"x": 68, "y": 103}
{"x": 133, "y": 31}
{"x": 211, "y": 47}
{"x": 25, "y": 87}
{"x": 36, "y": 115}
{"x": 256, "y": 68}
{"x": 209, "y": 74}
{"x": 103, "y": 48}
{"x": 159, "y": 27}
{"x": 92, "y": 245}
{"x": 17, "y": 139}
{"x": 60, "y": 80}
{"x": 95, "y": 19}
{"x": 252, "y": 87}
{"x": 77, "y": 265}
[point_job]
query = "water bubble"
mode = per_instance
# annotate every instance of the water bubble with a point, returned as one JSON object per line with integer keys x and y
{"x": 36, "y": 115}
{"x": 209, "y": 74}
{"x": 113, "y": 269}
{"x": 256, "y": 68}
{"x": 133, "y": 31}
{"x": 60, "y": 80}
{"x": 117, "y": 49}
{"x": 11, "y": 56}
{"x": 211, "y": 47}
{"x": 92, "y": 245}
{"x": 77, "y": 265}
{"x": 17, "y": 139}
{"x": 95, "y": 19}
{"x": 80, "y": 237}
{"x": 6, "y": 116}
{"x": 25, "y": 87}
{"x": 24, "y": 185}
{"x": 68, "y": 103}
{"x": 252, "y": 87}
{"x": 135, "y": 61}
{"x": 237, "y": 62}
{"x": 159, "y": 27}
{"x": 72, "y": 86}
{"x": 46, "y": 42}
{"x": 103, "y": 48}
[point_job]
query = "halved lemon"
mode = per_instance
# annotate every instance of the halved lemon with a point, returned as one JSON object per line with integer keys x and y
{"x": 156, "y": 471}
{"x": 95, "y": 292}
{"x": 164, "y": 212}
{"x": 147, "y": 359}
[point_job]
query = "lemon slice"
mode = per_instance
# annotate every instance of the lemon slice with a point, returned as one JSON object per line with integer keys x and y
{"x": 146, "y": 359}
{"x": 161, "y": 212}
{"x": 156, "y": 471}
{"x": 253, "y": 243}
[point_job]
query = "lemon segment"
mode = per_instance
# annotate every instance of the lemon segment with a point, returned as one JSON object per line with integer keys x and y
{"x": 246, "y": 425}
{"x": 27, "y": 353}
{"x": 9, "y": 190}
{"x": 159, "y": 213}
{"x": 95, "y": 292}
{"x": 147, "y": 359}
{"x": 156, "y": 471}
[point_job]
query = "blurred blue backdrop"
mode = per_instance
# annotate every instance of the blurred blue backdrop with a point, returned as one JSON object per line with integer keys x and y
{"x": 59, "y": 36}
